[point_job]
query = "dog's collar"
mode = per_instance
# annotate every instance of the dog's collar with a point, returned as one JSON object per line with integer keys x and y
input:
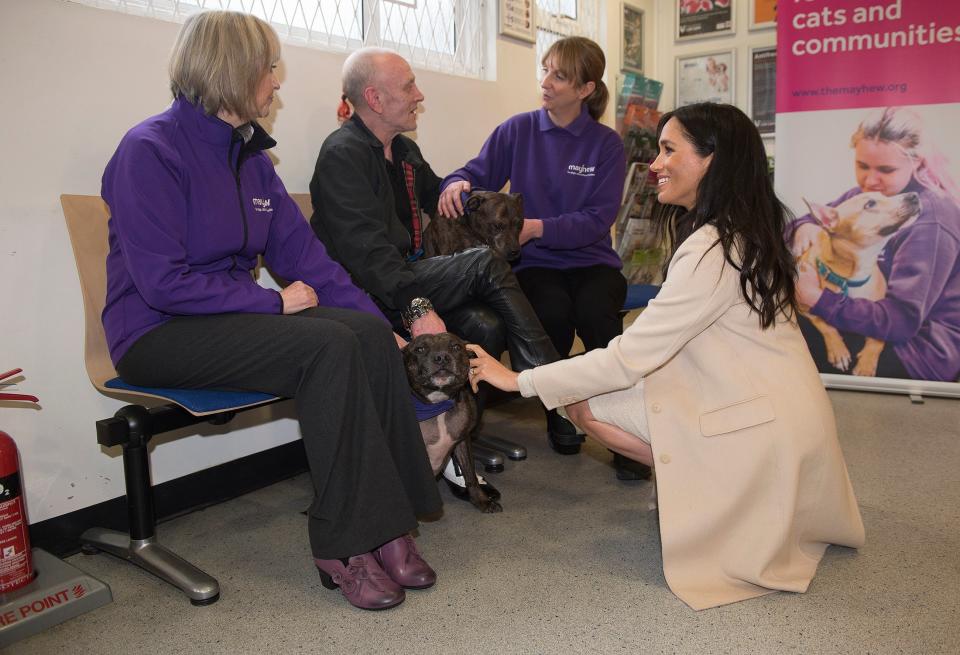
{"x": 832, "y": 277}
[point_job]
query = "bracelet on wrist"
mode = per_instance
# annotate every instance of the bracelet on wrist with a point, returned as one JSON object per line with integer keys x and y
{"x": 418, "y": 308}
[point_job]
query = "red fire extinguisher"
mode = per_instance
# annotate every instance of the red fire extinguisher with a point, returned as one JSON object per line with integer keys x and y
{"x": 16, "y": 566}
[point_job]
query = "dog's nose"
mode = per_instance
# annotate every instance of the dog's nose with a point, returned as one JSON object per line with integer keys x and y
{"x": 441, "y": 358}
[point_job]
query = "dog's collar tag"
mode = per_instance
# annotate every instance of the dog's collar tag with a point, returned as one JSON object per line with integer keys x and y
{"x": 833, "y": 278}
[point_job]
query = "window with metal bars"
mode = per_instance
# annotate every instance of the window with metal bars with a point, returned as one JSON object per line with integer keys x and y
{"x": 559, "y": 18}
{"x": 441, "y": 35}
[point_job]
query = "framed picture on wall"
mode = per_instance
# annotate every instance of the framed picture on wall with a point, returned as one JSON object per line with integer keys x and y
{"x": 631, "y": 40}
{"x": 517, "y": 19}
{"x": 763, "y": 14}
{"x": 705, "y": 78}
{"x": 763, "y": 88}
{"x": 697, "y": 19}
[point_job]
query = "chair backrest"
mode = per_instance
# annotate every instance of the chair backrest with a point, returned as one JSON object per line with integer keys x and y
{"x": 304, "y": 202}
{"x": 87, "y": 218}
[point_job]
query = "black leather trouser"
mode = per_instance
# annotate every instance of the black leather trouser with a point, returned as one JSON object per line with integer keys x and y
{"x": 477, "y": 295}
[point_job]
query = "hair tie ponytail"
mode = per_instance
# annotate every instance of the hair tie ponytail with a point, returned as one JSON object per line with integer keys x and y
{"x": 343, "y": 110}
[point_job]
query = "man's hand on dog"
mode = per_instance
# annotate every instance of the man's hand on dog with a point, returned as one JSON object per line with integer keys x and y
{"x": 450, "y": 205}
{"x": 429, "y": 323}
{"x": 486, "y": 368}
{"x": 297, "y": 297}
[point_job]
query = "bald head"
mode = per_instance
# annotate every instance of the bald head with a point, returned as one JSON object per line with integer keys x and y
{"x": 361, "y": 68}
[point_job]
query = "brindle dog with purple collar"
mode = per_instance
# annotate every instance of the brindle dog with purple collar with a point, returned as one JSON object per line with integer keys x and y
{"x": 438, "y": 366}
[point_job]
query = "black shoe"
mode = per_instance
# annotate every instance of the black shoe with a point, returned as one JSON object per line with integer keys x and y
{"x": 628, "y": 469}
{"x": 562, "y": 434}
{"x": 461, "y": 492}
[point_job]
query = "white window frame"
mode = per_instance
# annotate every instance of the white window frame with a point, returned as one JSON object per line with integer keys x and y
{"x": 470, "y": 26}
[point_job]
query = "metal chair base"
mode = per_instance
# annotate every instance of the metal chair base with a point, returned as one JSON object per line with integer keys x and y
{"x": 492, "y": 461}
{"x": 511, "y": 449}
{"x": 157, "y": 559}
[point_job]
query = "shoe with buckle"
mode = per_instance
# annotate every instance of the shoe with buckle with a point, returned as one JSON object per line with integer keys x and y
{"x": 361, "y": 581}
{"x": 453, "y": 476}
{"x": 401, "y": 560}
{"x": 562, "y": 434}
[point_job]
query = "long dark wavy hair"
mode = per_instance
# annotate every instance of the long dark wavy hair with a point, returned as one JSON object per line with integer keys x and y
{"x": 736, "y": 196}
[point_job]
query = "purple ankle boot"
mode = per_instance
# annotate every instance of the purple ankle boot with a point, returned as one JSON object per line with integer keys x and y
{"x": 361, "y": 581}
{"x": 402, "y": 562}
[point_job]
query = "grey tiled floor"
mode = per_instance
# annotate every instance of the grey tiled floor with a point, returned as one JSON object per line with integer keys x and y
{"x": 571, "y": 565}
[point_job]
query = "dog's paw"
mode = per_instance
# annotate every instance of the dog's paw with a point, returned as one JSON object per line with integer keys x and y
{"x": 839, "y": 356}
{"x": 488, "y": 506}
{"x": 866, "y": 368}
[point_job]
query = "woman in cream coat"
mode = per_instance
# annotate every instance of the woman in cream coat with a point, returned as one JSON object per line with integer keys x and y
{"x": 713, "y": 383}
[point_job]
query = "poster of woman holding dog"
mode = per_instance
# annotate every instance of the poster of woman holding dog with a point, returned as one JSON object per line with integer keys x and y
{"x": 879, "y": 266}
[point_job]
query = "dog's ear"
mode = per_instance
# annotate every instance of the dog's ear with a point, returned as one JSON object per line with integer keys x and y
{"x": 473, "y": 203}
{"x": 517, "y": 202}
{"x": 823, "y": 214}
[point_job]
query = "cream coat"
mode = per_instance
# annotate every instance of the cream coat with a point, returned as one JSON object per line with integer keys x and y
{"x": 751, "y": 482}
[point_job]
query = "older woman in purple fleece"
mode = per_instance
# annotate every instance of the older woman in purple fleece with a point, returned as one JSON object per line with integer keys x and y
{"x": 919, "y": 317}
{"x": 194, "y": 201}
{"x": 570, "y": 170}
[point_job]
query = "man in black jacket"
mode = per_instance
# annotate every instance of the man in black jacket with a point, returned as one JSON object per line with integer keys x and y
{"x": 369, "y": 189}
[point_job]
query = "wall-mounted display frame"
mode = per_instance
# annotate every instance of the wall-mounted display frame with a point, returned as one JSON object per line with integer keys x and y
{"x": 706, "y": 77}
{"x": 518, "y": 19}
{"x": 763, "y": 15}
{"x": 762, "y": 97}
{"x": 700, "y": 19}
{"x": 631, "y": 39}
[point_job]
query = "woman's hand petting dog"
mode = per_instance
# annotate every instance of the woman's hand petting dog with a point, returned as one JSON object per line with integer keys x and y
{"x": 486, "y": 368}
{"x": 297, "y": 297}
{"x": 808, "y": 288}
{"x": 450, "y": 205}
{"x": 532, "y": 229}
{"x": 803, "y": 239}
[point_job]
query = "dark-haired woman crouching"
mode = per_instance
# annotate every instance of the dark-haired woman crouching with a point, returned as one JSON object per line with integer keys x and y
{"x": 713, "y": 383}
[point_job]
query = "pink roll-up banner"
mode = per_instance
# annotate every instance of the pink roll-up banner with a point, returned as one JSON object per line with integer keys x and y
{"x": 868, "y": 161}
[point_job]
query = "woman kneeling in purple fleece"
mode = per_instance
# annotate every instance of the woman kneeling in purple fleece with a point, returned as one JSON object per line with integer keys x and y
{"x": 570, "y": 170}
{"x": 194, "y": 201}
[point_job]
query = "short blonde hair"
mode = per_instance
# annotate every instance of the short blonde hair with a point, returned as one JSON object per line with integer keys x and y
{"x": 219, "y": 59}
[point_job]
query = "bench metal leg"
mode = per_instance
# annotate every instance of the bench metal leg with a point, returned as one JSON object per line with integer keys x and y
{"x": 511, "y": 449}
{"x": 132, "y": 428}
{"x": 492, "y": 460}
{"x": 159, "y": 560}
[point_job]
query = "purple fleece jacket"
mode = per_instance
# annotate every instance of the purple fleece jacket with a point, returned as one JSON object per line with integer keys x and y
{"x": 571, "y": 178}
{"x": 920, "y": 314}
{"x": 191, "y": 209}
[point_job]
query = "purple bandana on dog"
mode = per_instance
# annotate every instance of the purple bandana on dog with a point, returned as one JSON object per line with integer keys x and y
{"x": 426, "y": 410}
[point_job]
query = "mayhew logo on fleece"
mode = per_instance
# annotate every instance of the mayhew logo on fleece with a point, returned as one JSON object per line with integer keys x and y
{"x": 582, "y": 170}
{"x": 262, "y": 205}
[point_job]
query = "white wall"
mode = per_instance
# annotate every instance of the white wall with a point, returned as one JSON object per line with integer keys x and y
{"x": 667, "y": 50}
{"x": 74, "y": 80}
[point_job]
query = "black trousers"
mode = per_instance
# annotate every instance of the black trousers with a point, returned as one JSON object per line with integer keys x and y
{"x": 478, "y": 297}
{"x": 585, "y": 301}
{"x": 369, "y": 467}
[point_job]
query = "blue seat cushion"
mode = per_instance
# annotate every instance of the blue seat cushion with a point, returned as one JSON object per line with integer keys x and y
{"x": 639, "y": 295}
{"x": 197, "y": 401}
